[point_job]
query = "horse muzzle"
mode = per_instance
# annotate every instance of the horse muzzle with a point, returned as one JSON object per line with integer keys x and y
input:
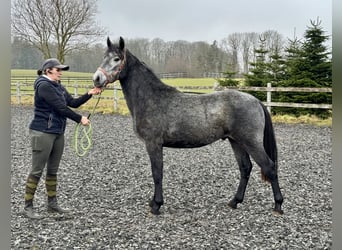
{"x": 99, "y": 79}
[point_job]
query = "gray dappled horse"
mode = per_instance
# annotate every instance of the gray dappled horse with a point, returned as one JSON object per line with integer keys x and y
{"x": 165, "y": 117}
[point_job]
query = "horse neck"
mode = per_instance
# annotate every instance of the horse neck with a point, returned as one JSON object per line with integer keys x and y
{"x": 140, "y": 85}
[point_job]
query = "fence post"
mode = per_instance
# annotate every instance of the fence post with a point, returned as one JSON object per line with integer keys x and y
{"x": 269, "y": 99}
{"x": 18, "y": 93}
{"x": 115, "y": 98}
{"x": 75, "y": 89}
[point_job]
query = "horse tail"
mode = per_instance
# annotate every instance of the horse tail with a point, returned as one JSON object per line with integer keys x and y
{"x": 270, "y": 144}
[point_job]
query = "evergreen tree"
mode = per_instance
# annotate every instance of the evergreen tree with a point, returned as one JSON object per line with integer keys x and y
{"x": 276, "y": 68}
{"x": 228, "y": 79}
{"x": 292, "y": 63}
{"x": 308, "y": 65}
{"x": 291, "y": 78}
{"x": 259, "y": 75}
{"x": 316, "y": 55}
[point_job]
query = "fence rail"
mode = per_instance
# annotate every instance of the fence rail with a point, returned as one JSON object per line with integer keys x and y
{"x": 269, "y": 89}
{"x": 22, "y": 88}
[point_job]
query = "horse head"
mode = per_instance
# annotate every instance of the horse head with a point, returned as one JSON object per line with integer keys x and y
{"x": 112, "y": 64}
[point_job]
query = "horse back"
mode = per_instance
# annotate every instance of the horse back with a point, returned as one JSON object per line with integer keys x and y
{"x": 185, "y": 120}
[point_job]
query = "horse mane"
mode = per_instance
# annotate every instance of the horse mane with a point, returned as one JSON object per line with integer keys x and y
{"x": 153, "y": 78}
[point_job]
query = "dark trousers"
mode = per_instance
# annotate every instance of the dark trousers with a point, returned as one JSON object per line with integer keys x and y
{"x": 47, "y": 150}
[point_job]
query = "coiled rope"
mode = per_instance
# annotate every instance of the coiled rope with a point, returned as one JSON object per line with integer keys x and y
{"x": 82, "y": 138}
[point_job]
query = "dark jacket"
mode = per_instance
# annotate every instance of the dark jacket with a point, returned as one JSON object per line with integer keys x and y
{"x": 51, "y": 106}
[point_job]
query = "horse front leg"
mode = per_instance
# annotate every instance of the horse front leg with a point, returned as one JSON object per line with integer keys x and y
{"x": 155, "y": 152}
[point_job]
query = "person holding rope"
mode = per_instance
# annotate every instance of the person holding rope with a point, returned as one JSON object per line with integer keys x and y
{"x": 51, "y": 110}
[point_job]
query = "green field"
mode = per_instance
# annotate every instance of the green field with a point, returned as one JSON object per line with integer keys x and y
{"x": 31, "y": 75}
{"x": 84, "y": 80}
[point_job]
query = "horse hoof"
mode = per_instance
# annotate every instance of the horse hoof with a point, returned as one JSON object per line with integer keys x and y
{"x": 232, "y": 204}
{"x": 277, "y": 209}
{"x": 154, "y": 207}
{"x": 277, "y": 212}
{"x": 155, "y": 212}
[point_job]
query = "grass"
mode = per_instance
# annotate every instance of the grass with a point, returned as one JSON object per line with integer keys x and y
{"x": 106, "y": 106}
{"x": 304, "y": 119}
{"x": 192, "y": 82}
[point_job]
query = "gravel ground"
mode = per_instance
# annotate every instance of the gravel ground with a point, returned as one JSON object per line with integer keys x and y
{"x": 108, "y": 192}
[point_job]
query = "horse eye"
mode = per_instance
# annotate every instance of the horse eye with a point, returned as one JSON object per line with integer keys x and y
{"x": 116, "y": 59}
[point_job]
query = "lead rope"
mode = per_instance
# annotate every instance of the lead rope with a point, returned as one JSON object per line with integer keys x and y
{"x": 82, "y": 138}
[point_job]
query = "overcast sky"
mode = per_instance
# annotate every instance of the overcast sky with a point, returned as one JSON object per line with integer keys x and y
{"x": 209, "y": 20}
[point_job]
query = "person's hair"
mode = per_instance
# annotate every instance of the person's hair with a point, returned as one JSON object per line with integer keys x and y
{"x": 40, "y": 72}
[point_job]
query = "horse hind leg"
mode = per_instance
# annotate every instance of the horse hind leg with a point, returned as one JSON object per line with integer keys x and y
{"x": 245, "y": 166}
{"x": 269, "y": 171}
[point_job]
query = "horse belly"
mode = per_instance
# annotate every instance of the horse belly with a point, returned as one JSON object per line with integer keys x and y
{"x": 191, "y": 135}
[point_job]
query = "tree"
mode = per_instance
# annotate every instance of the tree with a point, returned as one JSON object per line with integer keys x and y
{"x": 316, "y": 55}
{"x": 157, "y": 54}
{"x": 79, "y": 61}
{"x": 259, "y": 74}
{"x": 276, "y": 67}
{"x": 214, "y": 57}
{"x": 55, "y": 27}
{"x": 293, "y": 57}
{"x": 309, "y": 65}
{"x": 228, "y": 80}
{"x": 24, "y": 56}
{"x": 249, "y": 41}
{"x": 233, "y": 43}
{"x": 273, "y": 43}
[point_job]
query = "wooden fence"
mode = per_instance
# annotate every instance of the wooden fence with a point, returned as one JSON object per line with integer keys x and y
{"x": 20, "y": 89}
{"x": 269, "y": 89}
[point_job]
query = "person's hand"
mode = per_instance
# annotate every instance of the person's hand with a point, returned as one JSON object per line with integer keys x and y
{"x": 95, "y": 91}
{"x": 85, "y": 121}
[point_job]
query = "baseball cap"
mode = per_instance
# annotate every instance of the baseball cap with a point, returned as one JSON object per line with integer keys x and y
{"x": 53, "y": 63}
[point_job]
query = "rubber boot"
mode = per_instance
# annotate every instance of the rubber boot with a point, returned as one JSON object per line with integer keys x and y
{"x": 31, "y": 186}
{"x": 51, "y": 187}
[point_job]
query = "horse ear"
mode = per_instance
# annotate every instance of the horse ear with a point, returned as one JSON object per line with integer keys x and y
{"x": 121, "y": 43}
{"x": 109, "y": 43}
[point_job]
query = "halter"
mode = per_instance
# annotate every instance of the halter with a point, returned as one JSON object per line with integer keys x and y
{"x": 114, "y": 76}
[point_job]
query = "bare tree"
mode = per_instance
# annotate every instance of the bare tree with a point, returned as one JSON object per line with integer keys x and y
{"x": 274, "y": 41}
{"x": 233, "y": 44}
{"x": 249, "y": 41}
{"x": 55, "y": 27}
{"x": 157, "y": 51}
